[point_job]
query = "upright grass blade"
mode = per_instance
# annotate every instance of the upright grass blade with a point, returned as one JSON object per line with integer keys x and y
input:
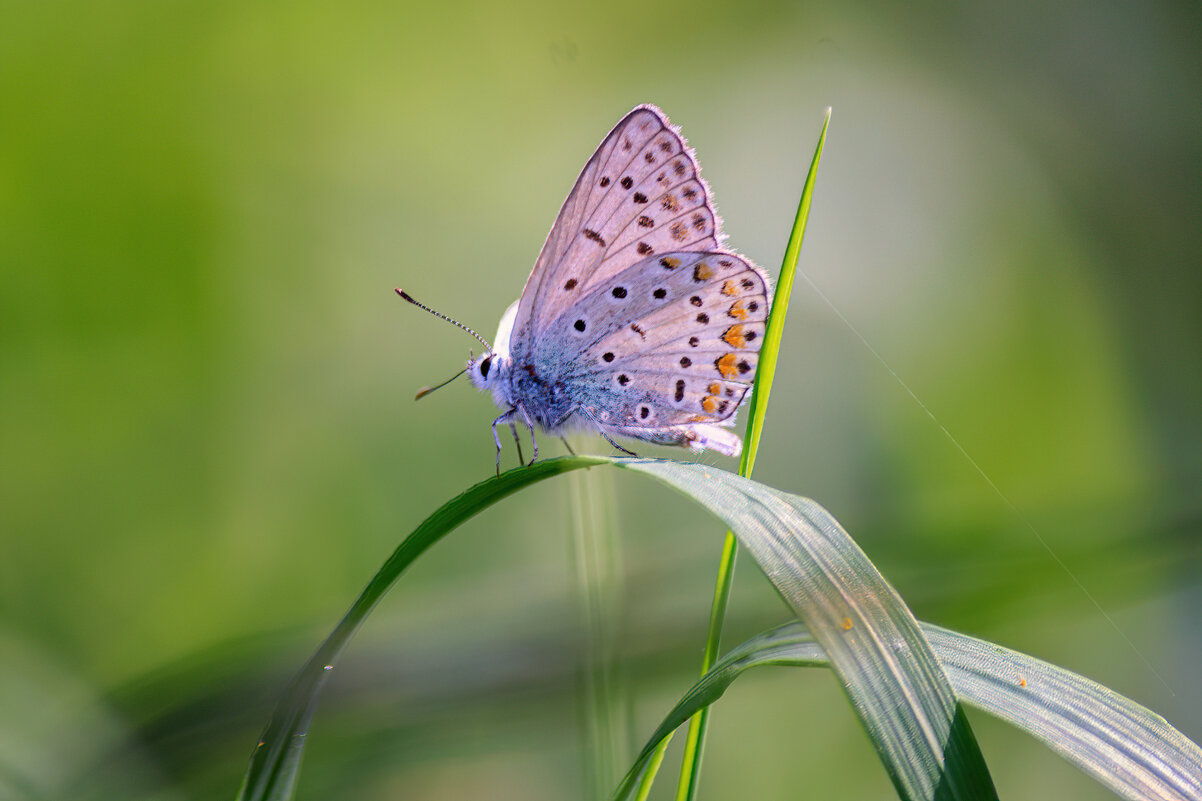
{"x": 1128, "y": 748}
{"x": 770, "y": 351}
{"x": 690, "y": 767}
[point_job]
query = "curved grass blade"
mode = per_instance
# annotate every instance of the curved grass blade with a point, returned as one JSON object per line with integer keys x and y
{"x": 895, "y": 684}
{"x": 886, "y": 667}
{"x": 690, "y": 764}
{"x": 1120, "y": 743}
{"x": 275, "y": 763}
{"x": 1128, "y": 748}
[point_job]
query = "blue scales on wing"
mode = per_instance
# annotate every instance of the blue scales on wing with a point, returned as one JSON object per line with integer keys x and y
{"x": 671, "y": 341}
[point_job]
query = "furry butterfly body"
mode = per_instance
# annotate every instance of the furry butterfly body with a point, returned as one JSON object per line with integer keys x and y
{"x": 635, "y": 322}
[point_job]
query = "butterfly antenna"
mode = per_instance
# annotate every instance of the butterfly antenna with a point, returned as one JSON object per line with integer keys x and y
{"x": 424, "y": 391}
{"x": 487, "y": 346}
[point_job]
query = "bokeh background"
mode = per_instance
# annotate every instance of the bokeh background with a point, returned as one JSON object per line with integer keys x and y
{"x": 208, "y": 440}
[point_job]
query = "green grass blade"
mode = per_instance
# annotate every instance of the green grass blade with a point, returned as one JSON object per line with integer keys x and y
{"x": 885, "y": 665}
{"x": 694, "y": 744}
{"x": 694, "y": 747}
{"x": 1126, "y": 747}
{"x": 275, "y": 763}
{"x": 770, "y": 351}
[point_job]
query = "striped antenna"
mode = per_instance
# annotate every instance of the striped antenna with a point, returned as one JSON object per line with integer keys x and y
{"x": 487, "y": 346}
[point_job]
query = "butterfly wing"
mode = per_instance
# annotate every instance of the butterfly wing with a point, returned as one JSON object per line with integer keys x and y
{"x": 665, "y": 346}
{"x": 639, "y": 195}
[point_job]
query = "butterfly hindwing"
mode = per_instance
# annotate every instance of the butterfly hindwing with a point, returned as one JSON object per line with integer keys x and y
{"x": 670, "y": 341}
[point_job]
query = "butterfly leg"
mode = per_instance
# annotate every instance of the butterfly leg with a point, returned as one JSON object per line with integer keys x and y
{"x": 568, "y": 446}
{"x": 516, "y": 441}
{"x": 505, "y": 418}
{"x": 616, "y": 445}
{"x": 601, "y": 431}
{"x": 529, "y": 424}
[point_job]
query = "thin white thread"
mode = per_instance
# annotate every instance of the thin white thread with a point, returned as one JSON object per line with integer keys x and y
{"x": 981, "y": 472}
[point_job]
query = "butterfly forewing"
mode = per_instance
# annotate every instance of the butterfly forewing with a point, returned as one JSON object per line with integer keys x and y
{"x": 639, "y": 195}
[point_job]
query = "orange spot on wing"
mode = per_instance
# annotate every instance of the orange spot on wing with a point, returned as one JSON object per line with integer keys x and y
{"x": 703, "y": 272}
{"x": 730, "y": 288}
{"x": 726, "y": 365}
{"x": 737, "y": 311}
{"x": 714, "y": 388}
{"x": 734, "y": 336}
{"x": 709, "y": 403}
{"x": 847, "y": 624}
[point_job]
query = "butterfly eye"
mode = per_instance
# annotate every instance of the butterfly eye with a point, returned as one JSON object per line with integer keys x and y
{"x": 485, "y": 366}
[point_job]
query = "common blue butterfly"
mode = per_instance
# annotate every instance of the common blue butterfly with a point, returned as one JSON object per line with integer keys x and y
{"x": 635, "y": 321}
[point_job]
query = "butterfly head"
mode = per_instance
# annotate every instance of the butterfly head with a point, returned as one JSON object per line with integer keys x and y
{"x": 490, "y": 372}
{"x": 481, "y": 370}
{"x": 487, "y": 371}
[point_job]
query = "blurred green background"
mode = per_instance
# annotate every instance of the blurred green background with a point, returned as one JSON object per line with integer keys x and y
{"x": 208, "y": 441}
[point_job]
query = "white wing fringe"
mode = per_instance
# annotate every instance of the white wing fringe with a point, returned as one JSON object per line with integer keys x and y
{"x": 704, "y": 436}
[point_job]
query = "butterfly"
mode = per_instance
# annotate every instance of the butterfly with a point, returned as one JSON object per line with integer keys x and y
{"x": 635, "y": 321}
